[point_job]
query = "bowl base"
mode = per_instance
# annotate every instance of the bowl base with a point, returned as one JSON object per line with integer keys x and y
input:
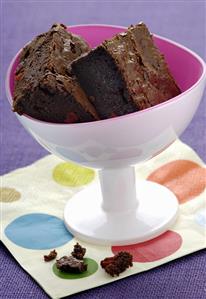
{"x": 86, "y": 219}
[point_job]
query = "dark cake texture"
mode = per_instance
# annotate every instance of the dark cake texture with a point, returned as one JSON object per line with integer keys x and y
{"x": 78, "y": 251}
{"x": 51, "y": 256}
{"x": 118, "y": 263}
{"x": 125, "y": 74}
{"x": 71, "y": 265}
{"x": 44, "y": 86}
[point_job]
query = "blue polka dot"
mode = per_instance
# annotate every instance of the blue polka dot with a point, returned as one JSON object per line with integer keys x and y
{"x": 38, "y": 231}
{"x": 201, "y": 217}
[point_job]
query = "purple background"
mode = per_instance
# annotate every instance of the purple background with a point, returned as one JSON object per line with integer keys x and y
{"x": 182, "y": 21}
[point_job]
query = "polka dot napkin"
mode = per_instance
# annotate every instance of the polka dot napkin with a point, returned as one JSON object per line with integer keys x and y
{"x": 32, "y": 204}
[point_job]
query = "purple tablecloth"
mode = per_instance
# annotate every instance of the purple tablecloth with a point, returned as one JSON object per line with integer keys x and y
{"x": 182, "y": 21}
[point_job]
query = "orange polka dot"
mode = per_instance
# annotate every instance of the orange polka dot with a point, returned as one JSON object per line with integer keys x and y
{"x": 9, "y": 195}
{"x": 186, "y": 179}
{"x": 153, "y": 250}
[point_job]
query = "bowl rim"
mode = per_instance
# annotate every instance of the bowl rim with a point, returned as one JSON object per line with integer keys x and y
{"x": 122, "y": 117}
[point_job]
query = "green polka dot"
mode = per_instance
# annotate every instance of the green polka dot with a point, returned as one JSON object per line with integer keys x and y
{"x": 72, "y": 175}
{"x": 9, "y": 195}
{"x": 92, "y": 267}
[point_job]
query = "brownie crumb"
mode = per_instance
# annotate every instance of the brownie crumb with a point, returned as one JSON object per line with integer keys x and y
{"x": 71, "y": 264}
{"x": 78, "y": 251}
{"x": 51, "y": 256}
{"x": 118, "y": 263}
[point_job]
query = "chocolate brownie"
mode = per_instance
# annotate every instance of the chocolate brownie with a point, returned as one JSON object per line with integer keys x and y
{"x": 71, "y": 264}
{"x": 78, "y": 251}
{"x": 44, "y": 86}
{"x": 51, "y": 256}
{"x": 125, "y": 74}
{"x": 118, "y": 263}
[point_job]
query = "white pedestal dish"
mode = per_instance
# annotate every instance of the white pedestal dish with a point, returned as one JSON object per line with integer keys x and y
{"x": 119, "y": 209}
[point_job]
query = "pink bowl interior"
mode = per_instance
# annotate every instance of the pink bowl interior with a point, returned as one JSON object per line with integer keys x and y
{"x": 184, "y": 66}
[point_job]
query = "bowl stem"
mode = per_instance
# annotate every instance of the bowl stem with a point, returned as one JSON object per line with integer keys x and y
{"x": 118, "y": 189}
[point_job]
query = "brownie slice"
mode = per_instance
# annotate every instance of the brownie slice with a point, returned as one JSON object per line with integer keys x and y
{"x": 71, "y": 265}
{"x": 125, "y": 74}
{"x": 44, "y": 86}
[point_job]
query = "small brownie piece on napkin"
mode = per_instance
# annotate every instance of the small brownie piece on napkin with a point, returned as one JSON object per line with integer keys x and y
{"x": 118, "y": 263}
{"x": 51, "y": 256}
{"x": 78, "y": 251}
{"x": 125, "y": 74}
{"x": 44, "y": 86}
{"x": 71, "y": 264}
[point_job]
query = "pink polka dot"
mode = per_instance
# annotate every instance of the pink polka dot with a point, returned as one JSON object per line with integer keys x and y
{"x": 153, "y": 250}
